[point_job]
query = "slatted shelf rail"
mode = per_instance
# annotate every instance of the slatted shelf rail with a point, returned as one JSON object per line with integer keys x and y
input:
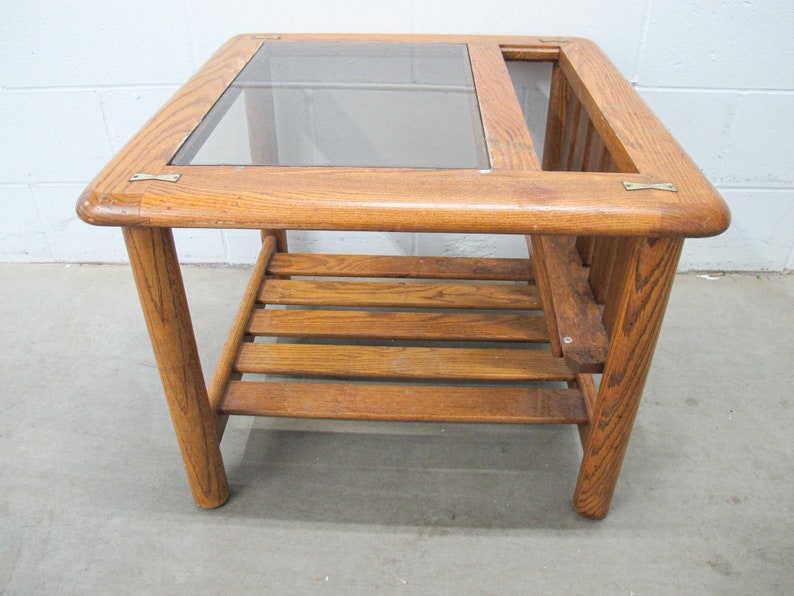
{"x": 359, "y": 337}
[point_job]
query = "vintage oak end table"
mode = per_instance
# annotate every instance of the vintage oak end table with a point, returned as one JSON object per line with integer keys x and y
{"x": 412, "y": 134}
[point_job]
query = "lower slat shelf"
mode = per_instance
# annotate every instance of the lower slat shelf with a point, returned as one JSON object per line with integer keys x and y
{"x": 405, "y": 402}
{"x": 398, "y": 325}
{"x": 344, "y": 363}
{"x": 399, "y": 294}
{"x": 409, "y": 267}
{"x": 386, "y": 362}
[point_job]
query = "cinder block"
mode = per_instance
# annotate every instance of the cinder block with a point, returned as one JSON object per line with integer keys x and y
{"x": 759, "y": 238}
{"x": 200, "y": 246}
{"x": 251, "y": 16}
{"x": 729, "y": 44}
{"x": 71, "y": 239}
{"x": 615, "y": 26}
{"x": 52, "y": 136}
{"x": 759, "y": 149}
{"x": 699, "y": 120}
{"x": 127, "y": 110}
{"x": 471, "y": 245}
{"x": 55, "y": 43}
{"x": 22, "y": 237}
{"x": 368, "y": 243}
{"x": 242, "y": 246}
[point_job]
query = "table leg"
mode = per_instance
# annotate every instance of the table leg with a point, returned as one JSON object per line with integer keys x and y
{"x": 647, "y": 281}
{"x": 280, "y": 236}
{"x": 162, "y": 294}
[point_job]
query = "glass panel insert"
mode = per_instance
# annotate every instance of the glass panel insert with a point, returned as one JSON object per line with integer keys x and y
{"x": 354, "y": 104}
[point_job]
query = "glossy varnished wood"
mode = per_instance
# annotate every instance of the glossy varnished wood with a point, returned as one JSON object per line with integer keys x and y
{"x": 512, "y": 197}
{"x": 162, "y": 294}
{"x": 489, "y": 269}
{"x": 316, "y": 360}
{"x": 428, "y": 326}
{"x": 224, "y": 368}
{"x": 642, "y": 303}
{"x": 509, "y": 143}
{"x": 372, "y": 365}
{"x": 399, "y": 294}
{"x": 406, "y": 402}
{"x": 602, "y": 265}
{"x": 582, "y": 338}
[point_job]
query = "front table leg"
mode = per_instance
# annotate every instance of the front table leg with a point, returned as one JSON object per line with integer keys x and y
{"x": 162, "y": 294}
{"x": 650, "y": 267}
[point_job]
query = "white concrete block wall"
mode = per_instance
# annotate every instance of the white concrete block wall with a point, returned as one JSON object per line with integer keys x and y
{"x": 78, "y": 79}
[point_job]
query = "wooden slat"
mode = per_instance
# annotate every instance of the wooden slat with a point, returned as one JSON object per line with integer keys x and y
{"x": 407, "y": 403}
{"x": 572, "y": 113}
{"x": 399, "y": 294}
{"x": 581, "y": 142}
{"x": 601, "y": 267}
{"x": 598, "y": 157}
{"x": 402, "y": 267}
{"x": 595, "y": 159}
{"x": 401, "y": 363}
{"x": 398, "y": 325}
{"x": 619, "y": 277}
{"x": 537, "y": 251}
{"x": 583, "y": 339}
{"x": 586, "y": 247}
{"x": 555, "y": 120}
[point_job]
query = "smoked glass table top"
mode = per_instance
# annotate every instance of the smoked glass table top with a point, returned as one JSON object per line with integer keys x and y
{"x": 394, "y": 105}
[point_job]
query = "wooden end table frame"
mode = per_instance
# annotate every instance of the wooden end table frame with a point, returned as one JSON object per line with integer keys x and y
{"x": 605, "y": 214}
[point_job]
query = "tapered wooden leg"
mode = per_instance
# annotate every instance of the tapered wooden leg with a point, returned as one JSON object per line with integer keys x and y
{"x": 162, "y": 294}
{"x": 647, "y": 280}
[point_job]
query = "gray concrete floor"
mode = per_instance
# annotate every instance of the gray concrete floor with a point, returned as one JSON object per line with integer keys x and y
{"x": 93, "y": 497}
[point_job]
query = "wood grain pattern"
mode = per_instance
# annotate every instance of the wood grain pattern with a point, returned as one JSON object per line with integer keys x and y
{"x": 516, "y": 200}
{"x": 397, "y": 325}
{"x": 112, "y": 199}
{"x": 401, "y": 363}
{"x": 586, "y": 384}
{"x": 642, "y": 304}
{"x": 585, "y": 245}
{"x": 597, "y": 127}
{"x": 160, "y": 288}
{"x": 399, "y": 294}
{"x": 575, "y": 115}
{"x": 556, "y": 119}
{"x": 537, "y": 250}
{"x": 619, "y": 278}
{"x": 516, "y": 52}
{"x": 224, "y": 368}
{"x": 637, "y": 140}
{"x": 583, "y": 339}
{"x": 406, "y": 402}
{"x": 464, "y": 268}
{"x": 509, "y": 143}
{"x": 604, "y": 252}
